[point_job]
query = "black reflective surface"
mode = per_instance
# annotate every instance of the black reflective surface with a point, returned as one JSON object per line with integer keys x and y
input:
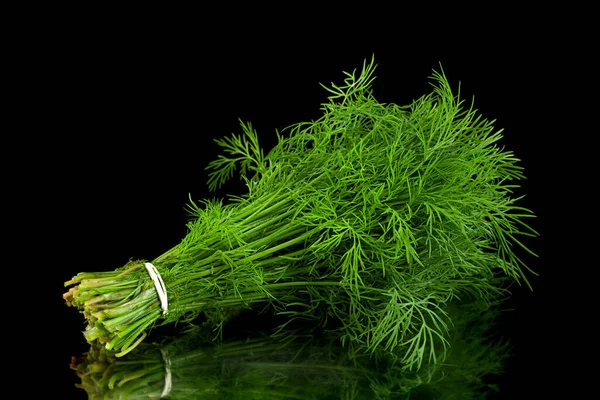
{"x": 303, "y": 362}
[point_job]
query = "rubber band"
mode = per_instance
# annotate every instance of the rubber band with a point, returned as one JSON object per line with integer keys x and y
{"x": 168, "y": 382}
{"x": 159, "y": 285}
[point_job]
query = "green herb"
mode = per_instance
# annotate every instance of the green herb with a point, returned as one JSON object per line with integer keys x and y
{"x": 369, "y": 220}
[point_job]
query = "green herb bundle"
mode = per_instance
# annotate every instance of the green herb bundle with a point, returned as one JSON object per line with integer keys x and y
{"x": 294, "y": 364}
{"x": 369, "y": 221}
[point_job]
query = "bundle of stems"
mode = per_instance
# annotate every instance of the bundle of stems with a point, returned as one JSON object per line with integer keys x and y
{"x": 294, "y": 364}
{"x": 374, "y": 216}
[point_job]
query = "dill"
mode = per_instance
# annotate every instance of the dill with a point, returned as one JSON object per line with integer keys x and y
{"x": 369, "y": 221}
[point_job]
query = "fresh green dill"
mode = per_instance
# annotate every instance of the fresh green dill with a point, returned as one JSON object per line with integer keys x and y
{"x": 369, "y": 220}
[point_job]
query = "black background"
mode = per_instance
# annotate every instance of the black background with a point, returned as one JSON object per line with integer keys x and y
{"x": 120, "y": 116}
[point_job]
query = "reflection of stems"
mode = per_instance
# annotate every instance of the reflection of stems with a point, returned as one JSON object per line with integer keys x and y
{"x": 293, "y": 365}
{"x": 201, "y": 370}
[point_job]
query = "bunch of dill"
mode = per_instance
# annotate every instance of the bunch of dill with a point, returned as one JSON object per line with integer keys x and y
{"x": 368, "y": 221}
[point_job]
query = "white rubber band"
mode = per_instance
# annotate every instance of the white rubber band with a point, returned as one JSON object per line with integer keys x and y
{"x": 168, "y": 382}
{"x": 159, "y": 285}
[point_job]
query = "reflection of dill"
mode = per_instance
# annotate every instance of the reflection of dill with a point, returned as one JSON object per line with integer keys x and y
{"x": 297, "y": 364}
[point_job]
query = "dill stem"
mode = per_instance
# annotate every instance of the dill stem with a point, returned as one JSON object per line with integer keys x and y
{"x": 290, "y": 232}
{"x": 263, "y": 209}
{"x": 267, "y": 222}
{"x": 198, "y": 275}
{"x": 263, "y": 206}
{"x": 292, "y": 255}
{"x": 283, "y": 285}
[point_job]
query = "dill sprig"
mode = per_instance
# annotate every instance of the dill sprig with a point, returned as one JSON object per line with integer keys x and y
{"x": 369, "y": 220}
